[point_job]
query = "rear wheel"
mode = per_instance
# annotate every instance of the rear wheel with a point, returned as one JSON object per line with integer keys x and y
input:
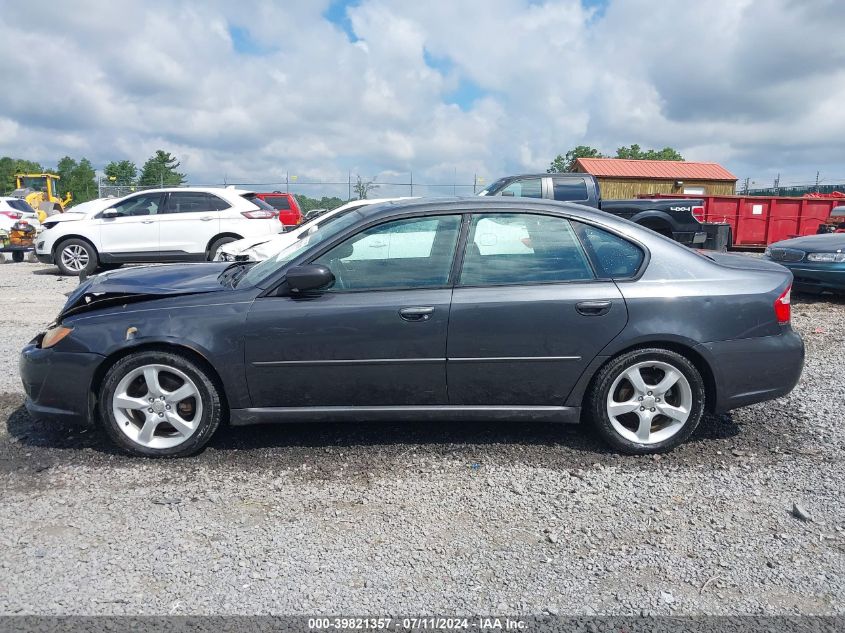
{"x": 76, "y": 257}
{"x": 647, "y": 401}
{"x": 17, "y": 256}
{"x": 159, "y": 404}
{"x": 216, "y": 245}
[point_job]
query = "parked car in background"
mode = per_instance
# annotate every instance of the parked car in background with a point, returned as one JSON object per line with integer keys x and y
{"x": 290, "y": 214}
{"x": 816, "y": 261}
{"x": 568, "y": 312}
{"x": 676, "y": 218}
{"x": 256, "y": 249}
{"x": 156, "y": 225}
{"x": 14, "y": 210}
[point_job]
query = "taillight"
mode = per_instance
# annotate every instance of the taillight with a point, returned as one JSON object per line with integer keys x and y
{"x": 12, "y": 215}
{"x": 698, "y": 213}
{"x": 260, "y": 214}
{"x": 783, "y": 306}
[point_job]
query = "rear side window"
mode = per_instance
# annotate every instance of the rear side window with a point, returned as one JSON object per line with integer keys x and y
{"x": 615, "y": 257}
{"x": 194, "y": 202}
{"x": 570, "y": 189}
{"x": 280, "y": 203}
{"x": 520, "y": 248}
{"x": 21, "y": 205}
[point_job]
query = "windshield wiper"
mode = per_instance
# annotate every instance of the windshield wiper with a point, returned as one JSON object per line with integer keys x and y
{"x": 236, "y": 277}
{"x": 230, "y": 273}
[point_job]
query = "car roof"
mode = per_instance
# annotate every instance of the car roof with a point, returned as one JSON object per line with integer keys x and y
{"x": 488, "y": 203}
{"x": 217, "y": 190}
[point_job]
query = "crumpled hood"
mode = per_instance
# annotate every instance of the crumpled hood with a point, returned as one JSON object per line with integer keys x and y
{"x": 144, "y": 283}
{"x": 824, "y": 243}
{"x": 67, "y": 216}
{"x": 260, "y": 248}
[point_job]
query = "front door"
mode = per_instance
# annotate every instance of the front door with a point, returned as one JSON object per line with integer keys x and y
{"x": 528, "y": 312}
{"x": 376, "y": 338}
{"x": 133, "y": 234}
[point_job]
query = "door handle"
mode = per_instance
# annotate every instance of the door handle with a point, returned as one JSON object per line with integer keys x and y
{"x": 593, "y": 308}
{"x": 417, "y": 313}
{"x": 147, "y": 221}
{"x": 206, "y": 218}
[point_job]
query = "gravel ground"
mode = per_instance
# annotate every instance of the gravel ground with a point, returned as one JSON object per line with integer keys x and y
{"x": 427, "y": 518}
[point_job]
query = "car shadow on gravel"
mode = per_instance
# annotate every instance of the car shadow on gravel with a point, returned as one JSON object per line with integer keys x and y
{"x": 328, "y": 449}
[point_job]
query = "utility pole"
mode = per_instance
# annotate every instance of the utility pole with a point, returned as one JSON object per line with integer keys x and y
{"x": 777, "y": 185}
{"x": 817, "y": 182}
{"x": 745, "y": 186}
{"x": 455, "y": 182}
{"x": 287, "y": 181}
{"x": 412, "y": 184}
{"x": 474, "y": 183}
{"x": 349, "y": 190}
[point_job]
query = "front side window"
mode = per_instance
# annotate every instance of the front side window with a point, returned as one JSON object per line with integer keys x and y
{"x": 517, "y": 248}
{"x": 143, "y": 204}
{"x": 193, "y": 202}
{"x": 615, "y": 257}
{"x": 569, "y": 189}
{"x": 409, "y": 253}
{"x": 528, "y": 188}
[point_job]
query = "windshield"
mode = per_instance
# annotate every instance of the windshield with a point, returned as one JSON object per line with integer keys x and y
{"x": 306, "y": 240}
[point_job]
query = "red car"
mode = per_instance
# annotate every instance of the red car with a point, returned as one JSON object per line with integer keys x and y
{"x": 285, "y": 203}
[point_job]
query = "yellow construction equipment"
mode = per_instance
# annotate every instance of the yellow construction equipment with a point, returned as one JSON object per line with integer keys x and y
{"x": 41, "y": 192}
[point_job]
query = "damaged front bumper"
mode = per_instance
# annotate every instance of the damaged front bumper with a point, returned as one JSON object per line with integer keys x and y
{"x": 58, "y": 384}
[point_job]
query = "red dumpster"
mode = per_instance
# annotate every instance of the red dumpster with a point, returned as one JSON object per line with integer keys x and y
{"x": 757, "y": 221}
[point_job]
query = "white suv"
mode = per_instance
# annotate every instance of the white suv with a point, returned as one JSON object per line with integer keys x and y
{"x": 157, "y": 225}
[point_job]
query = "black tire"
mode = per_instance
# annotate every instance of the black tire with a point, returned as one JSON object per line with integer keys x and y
{"x": 206, "y": 424}
{"x": 17, "y": 256}
{"x": 599, "y": 391}
{"x": 216, "y": 245}
{"x": 76, "y": 245}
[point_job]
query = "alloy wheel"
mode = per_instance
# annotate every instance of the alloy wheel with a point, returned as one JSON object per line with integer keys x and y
{"x": 157, "y": 406}
{"x": 75, "y": 257}
{"x": 649, "y": 402}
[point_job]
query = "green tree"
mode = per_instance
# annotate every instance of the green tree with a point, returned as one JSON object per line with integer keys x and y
{"x": 122, "y": 172}
{"x": 78, "y": 178}
{"x": 566, "y": 163}
{"x": 634, "y": 152}
{"x": 160, "y": 169}
{"x": 309, "y": 204}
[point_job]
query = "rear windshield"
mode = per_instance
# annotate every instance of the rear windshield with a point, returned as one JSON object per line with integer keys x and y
{"x": 278, "y": 202}
{"x": 21, "y": 205}
{"x": 254, "y": 199}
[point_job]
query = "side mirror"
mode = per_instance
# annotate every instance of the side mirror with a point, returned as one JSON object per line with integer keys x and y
{"x": 507, "y": 193}
{"x": 309, "y": 277}
{"x": 109, "y": 213}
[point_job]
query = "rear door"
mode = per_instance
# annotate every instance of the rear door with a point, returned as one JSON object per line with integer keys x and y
{"x": 134, "y": 233}
{"x": 528, "y": 312}
{"x": 189, "y": 221}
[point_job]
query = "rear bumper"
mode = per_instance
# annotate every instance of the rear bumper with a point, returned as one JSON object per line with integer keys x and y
{"x": 753, "y": 370}
{"x": 58, "y": 384}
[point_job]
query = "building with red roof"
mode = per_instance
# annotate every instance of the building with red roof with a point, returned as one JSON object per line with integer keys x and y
{"x": 625, "y": 178}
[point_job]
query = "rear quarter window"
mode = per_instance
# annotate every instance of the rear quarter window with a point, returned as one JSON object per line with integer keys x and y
{"x": 613, "y": 256}
{"x": 569, "y": 189}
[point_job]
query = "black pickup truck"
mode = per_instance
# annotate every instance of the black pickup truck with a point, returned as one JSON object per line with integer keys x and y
{"x": 672, "y": 217}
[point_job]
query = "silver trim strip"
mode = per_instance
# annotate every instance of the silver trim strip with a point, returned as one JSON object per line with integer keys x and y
{"x": 408, "y": 361}
{"x": 505, "y": 359}
{"x": 351, "y": 361}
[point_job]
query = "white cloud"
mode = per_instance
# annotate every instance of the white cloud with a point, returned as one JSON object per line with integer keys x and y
{"x": 755, "y": 84}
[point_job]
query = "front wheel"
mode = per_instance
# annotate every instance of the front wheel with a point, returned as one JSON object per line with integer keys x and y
{"x": 159, "y": 404}
{"x": 76, "y": 257}
{"x": 647, "y": 401}
{"x": 215, "y": 247}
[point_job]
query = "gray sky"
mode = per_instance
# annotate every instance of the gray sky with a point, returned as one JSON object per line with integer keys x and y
{"x": 250, "y": 90}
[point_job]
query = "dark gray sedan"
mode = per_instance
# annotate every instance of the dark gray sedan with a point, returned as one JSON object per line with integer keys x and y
{"x": 481, "y": 308}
